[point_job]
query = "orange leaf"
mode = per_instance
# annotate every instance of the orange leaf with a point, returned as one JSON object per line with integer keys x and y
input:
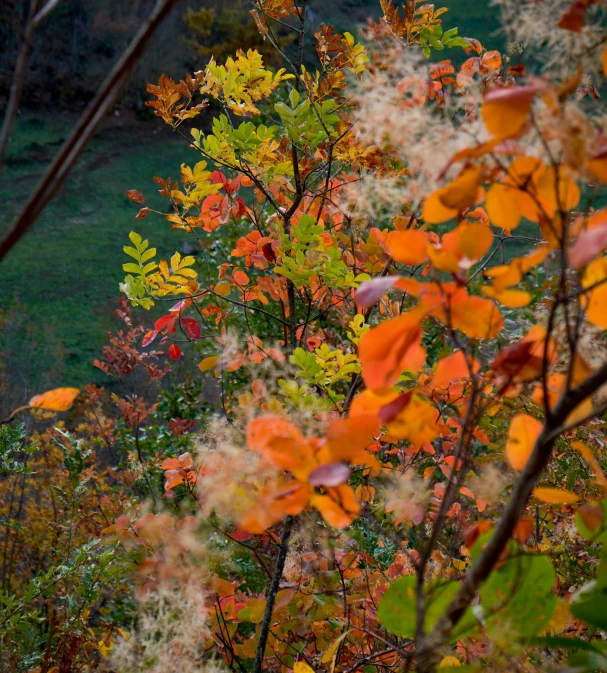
{"x": 347, "y": 439}
{"x": 557, "y": 190}
{"x": 505, "y": 111}
{"x": 222, "y": 289}
{"x": 59, "y": 399}
{"x": 523, "y": 433}
{"x": 241, "y": 278}
{"x": 524, "y": 360}
{"x": 444, "y": 204}
{"x": 476, "y": 317}
{"x": 452, "y": 368}
{"x": 555, "y": 496}
{"x": 597, "y": 164}
{"x": 339, "y": 507}
{"x": 475, "y": 240}
{"x": 408, "y": 247}
{"x": 371, "y": 401}
{"x": 417, "y": 423}
{"x": 595, "y": 304}
{"x": 503, "y": 206}
{"x": 279, "y": 500}
{"x": 589, "y": 457}
{"x": 462, "y": 192}
{"x": 282, "y": 443}
{"x": 491, "y": 60}
{"x": 509, "y": 298}
{"x": 434, "y": 212}
{"x": 604, "y": 60}
{"x": 392, "y": 347}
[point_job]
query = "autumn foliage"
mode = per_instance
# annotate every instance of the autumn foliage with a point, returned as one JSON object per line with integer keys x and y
{"x": 382, "y": 444}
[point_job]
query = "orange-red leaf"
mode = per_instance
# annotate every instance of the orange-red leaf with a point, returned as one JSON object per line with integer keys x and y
{"x": 392, "y": 347}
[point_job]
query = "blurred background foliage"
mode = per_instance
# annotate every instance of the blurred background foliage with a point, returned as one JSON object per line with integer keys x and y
{"x": 50, "y": 338}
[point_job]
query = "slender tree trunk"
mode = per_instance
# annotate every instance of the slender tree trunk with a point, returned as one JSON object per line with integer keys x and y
{"x": 18, "y": 81}
{"x": 85, "y": 129}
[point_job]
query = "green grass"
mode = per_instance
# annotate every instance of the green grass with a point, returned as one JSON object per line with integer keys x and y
{"x": 59, "y": 285}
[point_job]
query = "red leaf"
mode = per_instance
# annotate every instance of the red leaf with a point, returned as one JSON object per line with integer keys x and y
{"x": 191, "y": 328}
{"x": 331, "y": 474}
{"x": 168, "y": 322}
{"x": 268, "y": 253}
{"x": 174, "y": 352}
{"x": 573, "y": 18}
{"x": 136, "y": 196}
{"x": 142, "y": 213}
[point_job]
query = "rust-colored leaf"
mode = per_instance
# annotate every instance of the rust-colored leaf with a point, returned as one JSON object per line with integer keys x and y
{"x": 136, "y": 195}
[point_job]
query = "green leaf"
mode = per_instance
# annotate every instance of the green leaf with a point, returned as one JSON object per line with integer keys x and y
{"x": 589, "y": 602}
{"x": 517, "y": 600}
{"x": 397, "y": 608}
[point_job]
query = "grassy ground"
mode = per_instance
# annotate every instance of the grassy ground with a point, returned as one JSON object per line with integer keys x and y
{"x": 60, "y": 283}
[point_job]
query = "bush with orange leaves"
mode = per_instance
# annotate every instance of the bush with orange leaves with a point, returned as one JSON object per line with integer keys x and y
{"x": 399, "y": 321}
{"x": 410, "y": 427}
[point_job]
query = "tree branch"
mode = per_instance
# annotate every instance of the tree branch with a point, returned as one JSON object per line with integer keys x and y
{"x": 85, "y": 129}
{"x": 271, "y": 598}
{"x": 553, "y": 427}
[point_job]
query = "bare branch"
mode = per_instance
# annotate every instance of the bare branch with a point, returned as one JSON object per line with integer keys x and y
{"x": 86, "y": 127}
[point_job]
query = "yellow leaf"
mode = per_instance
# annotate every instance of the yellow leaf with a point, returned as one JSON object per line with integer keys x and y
{"x": 555, "y": 496}
{"x": 302, "y": 667}
{"x": 208, "y": 363}
{"x": 330, "y": 652}
{"x": 524, "y": 430}
{"x": 59, "y": 399}
{"x": 449, "y": 661}
{"x": 222, "y": 289}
